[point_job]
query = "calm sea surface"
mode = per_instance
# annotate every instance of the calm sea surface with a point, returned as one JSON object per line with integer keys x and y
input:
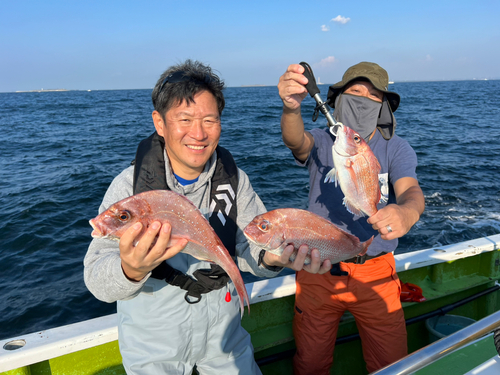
{"x": 60, "y": 150}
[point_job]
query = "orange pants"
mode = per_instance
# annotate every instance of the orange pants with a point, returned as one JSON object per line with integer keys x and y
{"x": 370, "y": 293}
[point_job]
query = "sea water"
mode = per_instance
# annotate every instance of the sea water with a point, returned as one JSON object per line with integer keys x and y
{"x": 60, "y": 151}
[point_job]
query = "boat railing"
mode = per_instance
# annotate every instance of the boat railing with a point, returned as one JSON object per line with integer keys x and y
{"x": 43, "y": 345}
{"x": 433, "y": 352}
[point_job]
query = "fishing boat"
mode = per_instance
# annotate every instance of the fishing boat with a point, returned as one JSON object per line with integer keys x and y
{"x": 458, "y": 280}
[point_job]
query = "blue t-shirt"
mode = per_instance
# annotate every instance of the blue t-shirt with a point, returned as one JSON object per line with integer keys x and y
{"x": 185, "y": 182}
{"x": 397, "y": 159}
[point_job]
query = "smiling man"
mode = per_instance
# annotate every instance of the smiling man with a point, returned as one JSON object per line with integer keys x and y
{"x": 176, "y": 312}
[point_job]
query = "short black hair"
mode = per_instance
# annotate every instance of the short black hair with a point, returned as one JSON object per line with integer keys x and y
{"x": 182, "y": 82}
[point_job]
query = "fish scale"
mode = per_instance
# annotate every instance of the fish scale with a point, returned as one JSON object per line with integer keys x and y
{"x": 276, "y": 229}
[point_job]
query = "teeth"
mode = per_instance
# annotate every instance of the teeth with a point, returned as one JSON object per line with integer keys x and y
{"x": 196, "y": 147}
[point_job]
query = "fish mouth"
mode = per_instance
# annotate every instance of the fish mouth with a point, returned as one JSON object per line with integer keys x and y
{"x": 96, "y": 233}
{"x": 346, "y": 155}
{"x": 262, "y": 245}
{"x": 335, "y": 128}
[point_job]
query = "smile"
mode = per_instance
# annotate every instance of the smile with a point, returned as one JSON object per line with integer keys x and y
{"x": 196, "y": 147}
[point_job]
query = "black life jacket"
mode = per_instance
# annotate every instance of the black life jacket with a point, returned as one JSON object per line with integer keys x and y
{"x": 149, "y": 174}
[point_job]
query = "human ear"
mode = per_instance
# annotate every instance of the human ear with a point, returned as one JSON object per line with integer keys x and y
{"x": 159, "y": 123}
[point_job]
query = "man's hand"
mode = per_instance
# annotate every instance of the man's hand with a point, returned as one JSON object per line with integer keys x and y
{"x": 394, "y": 217}
{"x": 149, "y": 252}
{"x": 395, "y": 220}
{"x": 283, "y": 260}
{"x": 292, "y": 88}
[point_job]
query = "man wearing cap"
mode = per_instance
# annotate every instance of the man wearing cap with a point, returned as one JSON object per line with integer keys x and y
{"x": 367, "y": 286}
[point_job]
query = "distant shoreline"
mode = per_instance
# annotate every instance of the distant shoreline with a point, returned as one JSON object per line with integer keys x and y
{"x": 247, "y": 86}
{"x": 44, "y": 90}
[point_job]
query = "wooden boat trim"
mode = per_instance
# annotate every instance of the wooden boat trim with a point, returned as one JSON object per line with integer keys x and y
{"x": 71, "y": 338}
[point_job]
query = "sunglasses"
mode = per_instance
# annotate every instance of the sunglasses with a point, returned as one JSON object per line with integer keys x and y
{"x": 181, "y": 76}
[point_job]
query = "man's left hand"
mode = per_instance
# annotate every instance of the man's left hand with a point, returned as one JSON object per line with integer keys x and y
{"x": 283, "y": 260}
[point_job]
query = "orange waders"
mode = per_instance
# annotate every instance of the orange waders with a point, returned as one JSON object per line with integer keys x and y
{"x": 370, "y": 292}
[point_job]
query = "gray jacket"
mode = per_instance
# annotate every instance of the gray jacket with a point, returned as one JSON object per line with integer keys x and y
{"x": 158, "y": 331}
{"x": 103, "y": 273}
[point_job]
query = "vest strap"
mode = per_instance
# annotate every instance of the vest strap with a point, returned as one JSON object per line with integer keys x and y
{"x": 149, "y": 174}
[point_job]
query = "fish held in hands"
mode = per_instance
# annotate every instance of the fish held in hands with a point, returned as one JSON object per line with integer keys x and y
{"x": 186, "y": 220}
{"x": 356, "y": 170}
{"x": 274, "y": 230}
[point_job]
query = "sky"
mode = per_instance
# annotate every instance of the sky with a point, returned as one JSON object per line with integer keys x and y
{"x": 104, "y": 45}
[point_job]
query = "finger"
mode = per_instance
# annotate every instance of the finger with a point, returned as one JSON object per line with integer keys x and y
{"x": 315, "y": 264}
{"x": 161, "y": 244}
{"x": 176, "y": 247}
{"x": 149, "y": 238}
{"x": 298, "y": 262}
{"x": 128, "y": 238}
{"x": 285, "y": 255}
{"x": 325, "y": 267}
{"x": 295, "y": 78}
{"x": 296, "y": 68}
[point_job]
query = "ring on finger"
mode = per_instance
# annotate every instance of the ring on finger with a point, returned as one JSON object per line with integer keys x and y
{"x": 389, "y": 229}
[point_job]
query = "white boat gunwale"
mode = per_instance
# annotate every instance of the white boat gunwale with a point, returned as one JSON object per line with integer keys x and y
{"x": 55, "y": 342}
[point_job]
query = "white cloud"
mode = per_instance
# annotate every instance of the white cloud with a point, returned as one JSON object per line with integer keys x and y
{"x": 327, "y": 61}
{"x": 428, "y": 58}
{"x": 341, "y": 19}
{"x": 325, "y": 28}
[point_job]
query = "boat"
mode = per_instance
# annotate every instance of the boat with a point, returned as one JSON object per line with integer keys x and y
{"x": 458, "y": 280}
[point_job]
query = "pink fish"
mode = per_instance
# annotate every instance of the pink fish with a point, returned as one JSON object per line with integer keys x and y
{"x": 276, "y": 229}
{"x": 356, "y": 169}
{"x": 186, "y": 221}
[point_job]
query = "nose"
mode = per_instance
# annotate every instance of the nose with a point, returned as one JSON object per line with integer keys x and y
{"x": 197, "y": 130}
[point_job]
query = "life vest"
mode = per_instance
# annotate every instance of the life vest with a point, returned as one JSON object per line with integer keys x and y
{"x": 149, "y": 174}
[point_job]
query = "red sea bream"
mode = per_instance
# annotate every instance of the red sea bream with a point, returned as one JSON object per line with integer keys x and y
{"x": 356, "y": 170}
{"x": 186, "y": 221}
{"x": 276, "y": 229}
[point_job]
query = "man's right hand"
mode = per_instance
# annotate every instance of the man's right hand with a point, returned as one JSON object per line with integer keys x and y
{"x": 146, "y": 255}
{"x": 292, "y": 88}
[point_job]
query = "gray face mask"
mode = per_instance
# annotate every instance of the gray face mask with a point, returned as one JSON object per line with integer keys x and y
{"x": 357, "y": 112}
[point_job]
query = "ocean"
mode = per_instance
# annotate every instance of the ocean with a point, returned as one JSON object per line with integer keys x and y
{"x": 60, "y": 151}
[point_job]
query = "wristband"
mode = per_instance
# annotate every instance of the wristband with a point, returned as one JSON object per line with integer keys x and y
{"x": 265, "y": 265}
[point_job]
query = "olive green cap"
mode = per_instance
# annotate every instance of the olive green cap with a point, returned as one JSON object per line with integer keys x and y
{"x": 370, "y": 71}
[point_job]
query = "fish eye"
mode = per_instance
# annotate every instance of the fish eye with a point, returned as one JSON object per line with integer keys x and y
{"x": 124, "y": 215}
{"x": 357, "y": 138}
{"x": 264, "y": 225}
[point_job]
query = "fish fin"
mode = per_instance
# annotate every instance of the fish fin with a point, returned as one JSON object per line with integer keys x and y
{"x": 383, "y": 199}
{"x": 364, "y": 246}
{"x": 352, "y": 209}
{"x": 331, "y": 176}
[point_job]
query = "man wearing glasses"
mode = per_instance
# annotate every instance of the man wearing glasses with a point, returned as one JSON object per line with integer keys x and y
{"x": 176, "y": 312}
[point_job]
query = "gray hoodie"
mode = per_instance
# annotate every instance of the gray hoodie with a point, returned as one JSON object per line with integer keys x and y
{"x": 102, "y": 265}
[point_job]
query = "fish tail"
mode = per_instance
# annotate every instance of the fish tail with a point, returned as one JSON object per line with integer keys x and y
{"x": 364, "y": 246}
{"x": 234, "y": 273}
{"x": 242, "y": 293}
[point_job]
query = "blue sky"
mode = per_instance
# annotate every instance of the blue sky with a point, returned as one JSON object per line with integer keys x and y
{"x": 128, "y": 44}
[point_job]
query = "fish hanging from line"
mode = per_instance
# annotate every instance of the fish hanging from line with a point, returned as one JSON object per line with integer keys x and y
{"x": 274, "y": 230}
{"x": 186, "y": 221}
{"x": 356, "y": 171}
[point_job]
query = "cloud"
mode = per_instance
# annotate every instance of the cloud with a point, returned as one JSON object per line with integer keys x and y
{"x": 341, "y": 19}
{"x": 428, "y": 58}
{"x": 326, "y": 61}
{"x": 325, "y": 28}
